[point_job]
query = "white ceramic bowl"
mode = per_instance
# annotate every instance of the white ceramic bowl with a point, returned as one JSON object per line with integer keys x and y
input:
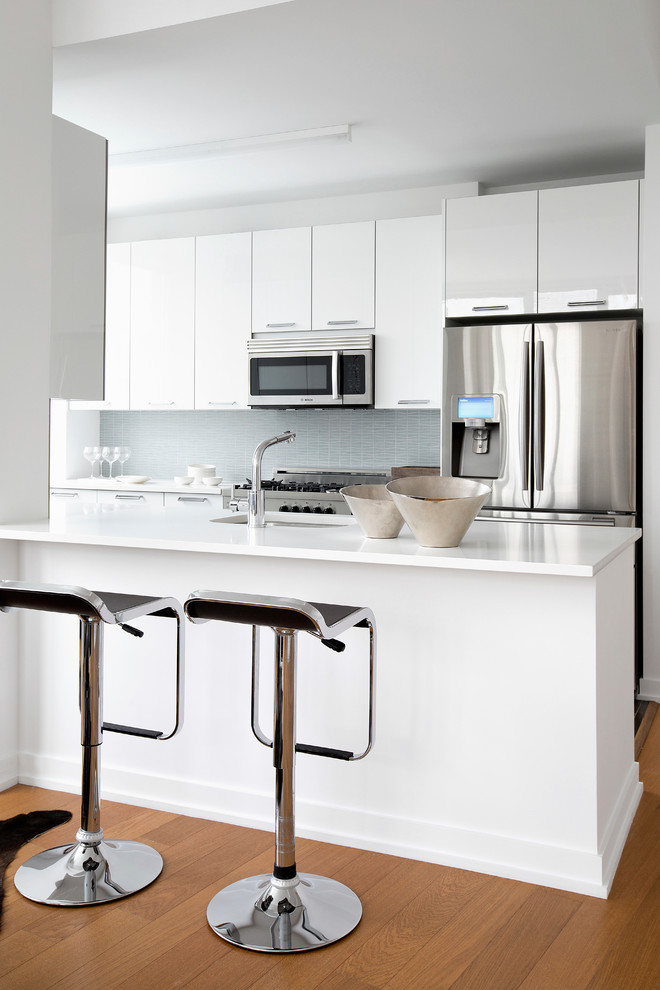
{"x": 374, "y": 509}
{"x": 438, "y": 510}
{"x": 208, "y": 480}
{"x": 183, "y": 479}
{"x": 199, "y": 471}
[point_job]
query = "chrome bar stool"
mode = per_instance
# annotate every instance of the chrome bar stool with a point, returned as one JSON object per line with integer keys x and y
{"x": 286, "y": 911}
{"x": 94, "y": 870}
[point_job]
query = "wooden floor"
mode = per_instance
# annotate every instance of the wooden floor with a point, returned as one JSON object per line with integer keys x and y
{"x": 424, "y": 927}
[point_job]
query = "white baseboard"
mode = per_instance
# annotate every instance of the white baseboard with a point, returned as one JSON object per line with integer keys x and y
{"x": 649, "y": 689}
{"x": 577, "y": 870}
{"x": 8, "y": 772}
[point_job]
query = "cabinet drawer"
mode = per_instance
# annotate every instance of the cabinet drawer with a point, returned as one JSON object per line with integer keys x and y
{"x": 193, "y": 502}
{"x": 152, "y": 500}
{"x": 61, "y": 496}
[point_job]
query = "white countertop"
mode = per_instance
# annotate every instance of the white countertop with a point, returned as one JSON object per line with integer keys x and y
{"x": 522, "y": 547}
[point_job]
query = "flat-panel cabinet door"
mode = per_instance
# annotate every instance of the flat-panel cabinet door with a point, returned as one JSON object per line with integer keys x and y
{"x": 117, "y": 326}
{"x": 222, "y": 321}
{"x": 490, "y": 264}
{"x": 409, "y": 259}
{"x": 343, "y": 276}
{"x": 282, "y": 280}
{"x": 588, "y": 247}
{"x": 162, "y": 324}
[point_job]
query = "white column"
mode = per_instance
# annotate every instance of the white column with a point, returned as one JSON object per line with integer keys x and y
{"x": 650, "y": 684}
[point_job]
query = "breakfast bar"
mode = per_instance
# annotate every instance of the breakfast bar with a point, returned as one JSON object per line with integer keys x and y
{"x": 504, "y": 691}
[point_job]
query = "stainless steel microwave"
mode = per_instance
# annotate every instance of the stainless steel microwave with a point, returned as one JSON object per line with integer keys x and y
{"x": 317, "y": 369}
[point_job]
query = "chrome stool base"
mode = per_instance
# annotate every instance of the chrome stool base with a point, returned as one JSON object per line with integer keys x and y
{"x": 84, "y": 873}
{"x": 270, "y": 915}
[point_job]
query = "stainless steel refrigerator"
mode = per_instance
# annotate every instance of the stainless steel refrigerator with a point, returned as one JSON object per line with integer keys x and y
{"x": 546, "y": 414}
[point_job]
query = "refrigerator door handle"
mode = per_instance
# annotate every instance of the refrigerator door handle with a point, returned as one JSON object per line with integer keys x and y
{"x": 523, "y": 425}
{"x": 539, "y": 415}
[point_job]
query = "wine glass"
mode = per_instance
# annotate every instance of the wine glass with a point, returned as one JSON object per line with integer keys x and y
{"x": 110, "y": 454}
{"x": 92, "y": 454}
{"x": 124, "y": 454}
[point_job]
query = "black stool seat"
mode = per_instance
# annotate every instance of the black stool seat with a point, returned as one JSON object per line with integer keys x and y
{"x": 286, "y": 911}
{"x": 92, "y": 870}
{"x": 109, "y": 606}
{"x": 317, "y": 618}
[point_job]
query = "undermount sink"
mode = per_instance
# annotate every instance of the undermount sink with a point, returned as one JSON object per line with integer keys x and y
{"x": 308, "y": 520}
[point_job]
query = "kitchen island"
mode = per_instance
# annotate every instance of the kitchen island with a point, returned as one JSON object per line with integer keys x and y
{"x": 504, "y": 705}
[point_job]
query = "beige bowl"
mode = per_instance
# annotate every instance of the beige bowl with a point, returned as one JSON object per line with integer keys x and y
{"x": 374, "y": 510}
{"x": 438, "y": 510}
{"x": 208, "y": 480}
{"x": 183, "y": 479}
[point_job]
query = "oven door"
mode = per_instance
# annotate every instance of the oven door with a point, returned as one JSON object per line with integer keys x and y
{"x": 280, "y": 379}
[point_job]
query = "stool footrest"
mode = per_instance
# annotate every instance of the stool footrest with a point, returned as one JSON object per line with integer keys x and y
{"x": 333, "y": 754}
{"x": 132, "y": 730}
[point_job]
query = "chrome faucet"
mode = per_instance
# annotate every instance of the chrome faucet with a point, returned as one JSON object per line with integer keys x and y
{"x": 256, "y": 499}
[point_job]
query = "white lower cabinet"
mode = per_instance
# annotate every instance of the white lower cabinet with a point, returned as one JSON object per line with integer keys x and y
{"x": 64, "y": 496}
{"x": 222, "y": 320}
{"x": 152, "y": 500}
{"x": 193, "y": 501}
{"x": 162, "y": 324}
{"x": 409, "y": 269}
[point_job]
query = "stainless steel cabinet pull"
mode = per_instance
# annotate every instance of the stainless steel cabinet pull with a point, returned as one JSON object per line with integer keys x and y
{"x": 342, "y": 323}
{"x": 274, "y": 326}
{"x": 480, "y": 309}
{"x": 192, "y": 498}
{"x": 64, "y": 495}
{"x": 130, "y": 498}
{"x": 210, "y": 403}
{"x": 335, "y": 375}
{"x": 413, "y": 402}
{"x": 161, "y": 403}
{"x": 589, "y": 302}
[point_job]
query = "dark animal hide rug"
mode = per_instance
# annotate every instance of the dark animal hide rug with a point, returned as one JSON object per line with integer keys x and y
{"x": 16, "y": 831}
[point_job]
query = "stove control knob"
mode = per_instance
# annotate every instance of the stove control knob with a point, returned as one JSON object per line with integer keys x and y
{"x": 307, "y": 508}
{"x": 329, "y": 511}
{"x": 317, "y": 508}
{"x": 284, "y": 508}
{"x": 295, "y": 508}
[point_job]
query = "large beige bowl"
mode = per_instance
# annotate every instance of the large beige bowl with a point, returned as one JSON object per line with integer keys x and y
{"x": 438, "y": 510}
{"x": 374, "y": 510}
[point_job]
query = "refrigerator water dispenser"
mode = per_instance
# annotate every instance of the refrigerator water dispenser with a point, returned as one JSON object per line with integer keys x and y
{"x": 476, "y": 447}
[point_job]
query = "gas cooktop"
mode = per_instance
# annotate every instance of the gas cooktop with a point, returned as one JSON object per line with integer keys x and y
{"x": 315, "y": 490}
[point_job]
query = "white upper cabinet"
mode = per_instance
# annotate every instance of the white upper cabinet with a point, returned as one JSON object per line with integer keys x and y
{"x": 117, "y": 326}
{"x": 343, "y": 276}
{"x": 491, "y": 255}
{"x": 409, "y": 268}
{"x": 162, "y": 324}
{"x": 588, "y": 247}
{"x": 282, "y": 280}
{"x": 222, "y": 320}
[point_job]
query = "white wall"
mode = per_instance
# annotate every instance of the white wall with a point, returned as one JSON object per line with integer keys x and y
{"x": 650, "y": 685}
{"x": 25, "y": 257}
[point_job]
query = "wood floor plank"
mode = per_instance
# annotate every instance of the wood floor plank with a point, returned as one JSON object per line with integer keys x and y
{"x": 509, "y": 956}
{"x": 633, "y": 961}
{"x": 393, "y": 946}
{"x": 19, "y": 948}
{"x": 442, "y": 960}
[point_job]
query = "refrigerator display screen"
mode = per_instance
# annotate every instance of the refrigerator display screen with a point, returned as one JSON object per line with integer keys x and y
{"x": 476, "y": 407}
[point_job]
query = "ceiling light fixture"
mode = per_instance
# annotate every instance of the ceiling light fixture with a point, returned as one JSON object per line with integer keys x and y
{"x": 232, "y": 146}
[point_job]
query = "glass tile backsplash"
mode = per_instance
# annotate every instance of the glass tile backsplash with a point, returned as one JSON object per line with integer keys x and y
{"x": 164, "y": 443}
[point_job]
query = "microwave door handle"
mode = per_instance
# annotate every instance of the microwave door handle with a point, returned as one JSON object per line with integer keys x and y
{"x": 539, "y": 415}
{"x": 335, "y": 375}
{"x": 523, "y": 422}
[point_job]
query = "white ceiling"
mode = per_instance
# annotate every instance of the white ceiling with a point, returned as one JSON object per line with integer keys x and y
{"x": 437, "y": 92}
